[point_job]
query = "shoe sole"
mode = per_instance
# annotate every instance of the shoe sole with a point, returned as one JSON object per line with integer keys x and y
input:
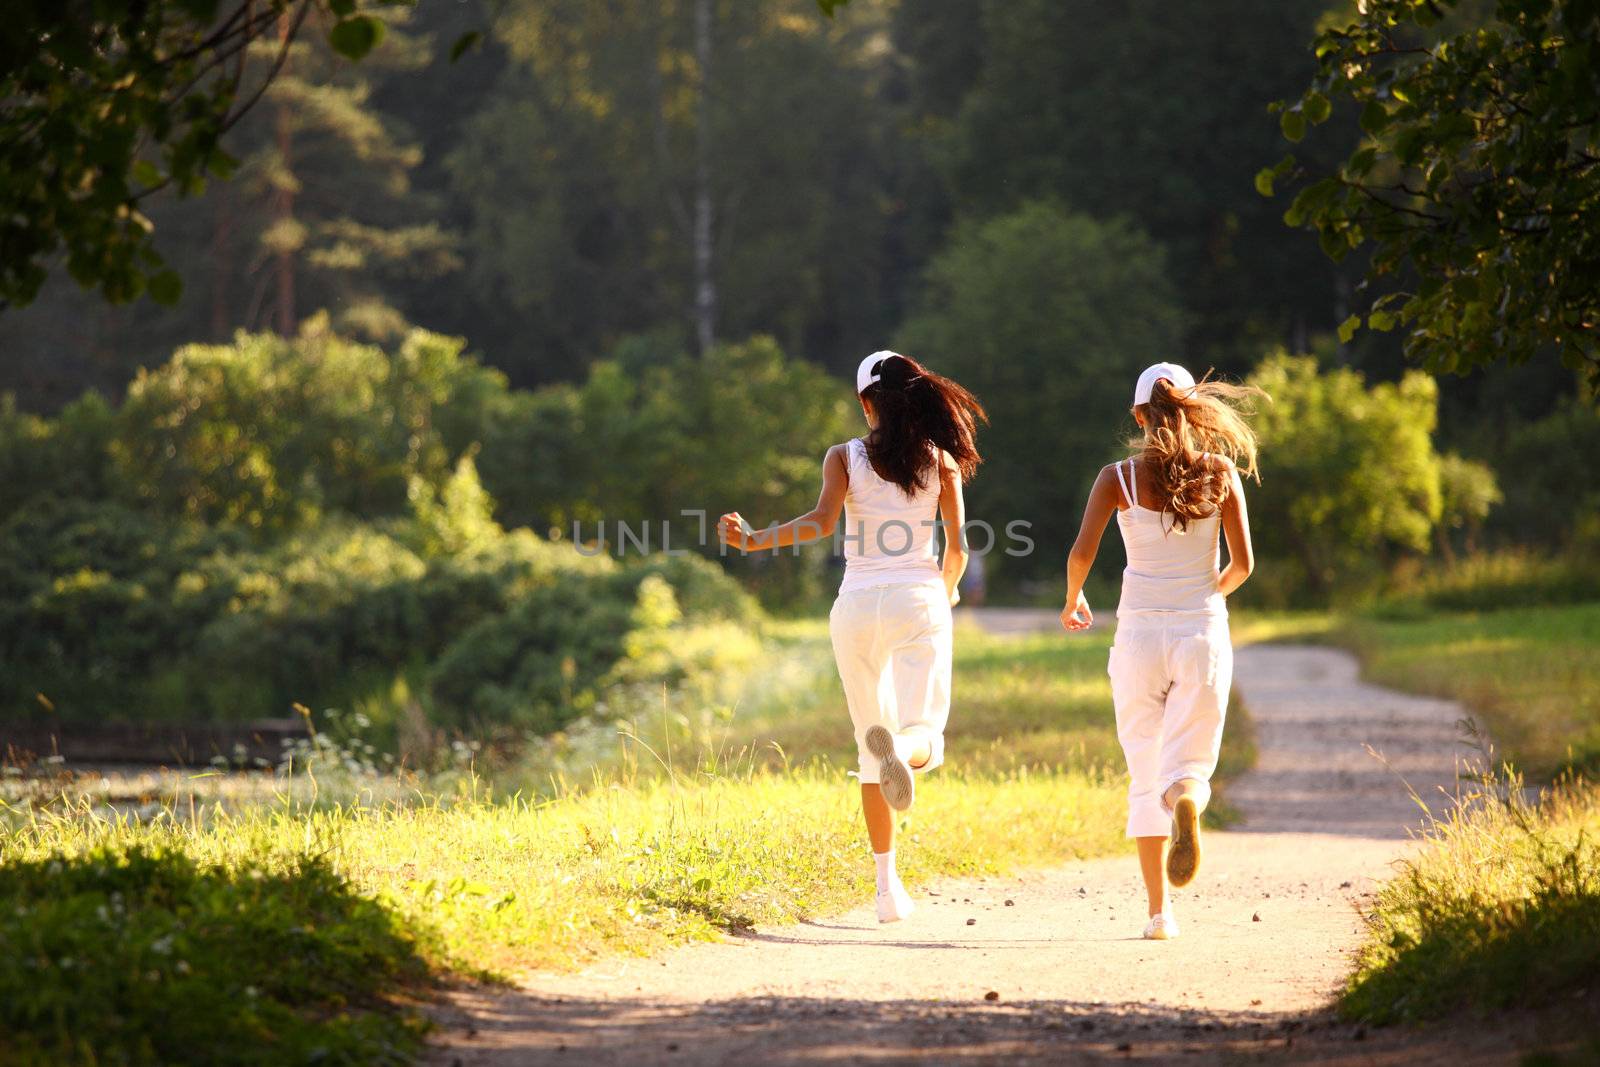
{"x": 894, "y": 777}
{"x": 1183, "y": 857}
{"x": 1159, "y": 935}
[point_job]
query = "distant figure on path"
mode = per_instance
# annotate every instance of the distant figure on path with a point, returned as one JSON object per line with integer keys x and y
{"x": 1172, "y": 662}
{"x": 891, "y": 625}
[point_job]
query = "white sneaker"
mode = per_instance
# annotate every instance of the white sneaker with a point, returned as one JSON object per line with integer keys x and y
{"x": 894, "y": 904}
{"x": 894, "y": 776}
{"x": 1161, "y": 927}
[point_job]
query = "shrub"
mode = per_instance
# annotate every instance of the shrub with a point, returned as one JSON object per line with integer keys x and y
{"x": 1349, "y": 474}
{"x": 1499, "y": 908}
{"x": 145, "y": 957}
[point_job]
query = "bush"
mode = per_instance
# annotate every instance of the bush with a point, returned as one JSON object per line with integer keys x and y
{"x": 1349, "y": 475}
{"x": 1552, "y": 487}
{"x": 148, "y": 958}
{"x": 109, "y": 613}
{"x": 1499, "y": 908}
{"x": 276, "y": 432}
{"x": 1494, "y": 581}
{"x": 553, "y": 656}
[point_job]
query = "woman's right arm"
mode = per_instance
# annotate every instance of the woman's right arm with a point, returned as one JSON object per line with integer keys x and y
{"x": 814, "y": 525}
{"x": 1236, "y": 529}
{"x": 1096, "y": 513}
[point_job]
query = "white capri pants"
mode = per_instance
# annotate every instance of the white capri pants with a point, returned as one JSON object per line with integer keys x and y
{"x": 892, "y": 645}
{"x": 1170, "y": 677}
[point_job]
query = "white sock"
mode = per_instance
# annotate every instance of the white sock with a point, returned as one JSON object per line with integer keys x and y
{"x": 886, "y": 872}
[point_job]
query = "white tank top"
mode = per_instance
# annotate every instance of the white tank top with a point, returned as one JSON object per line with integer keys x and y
{"x": 1170, "y": 571}
{"x": 888, "y": 536}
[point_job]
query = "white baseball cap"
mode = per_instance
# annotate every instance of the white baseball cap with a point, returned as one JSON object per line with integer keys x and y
{"x": 871, "y": 369}
{"x": 1180, "y": 379}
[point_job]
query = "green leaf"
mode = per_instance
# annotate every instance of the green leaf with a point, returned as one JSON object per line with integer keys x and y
{"x": 166, "y": 287}
{"x": 1348, "y": 328}
{"x": 355, "y": 37}
{"x": 342, "y": 8}
{"x": 464, "y": 42}
{"x": 1383, "y": 321}
{"x": 1361, "y": 162}
{"x": 1264, "y": 178}
{"x": 1317, "y": 108}
{"x": 146, "y": 174}
{"x": 1374, "y": 117}
{"x": 830, "y": 6}
{"x": 1293, "y": 124}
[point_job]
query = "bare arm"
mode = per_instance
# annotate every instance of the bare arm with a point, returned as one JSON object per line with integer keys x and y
{"x": 1236, "y": 529}
{"x": 953, "y": 513}
{"x": 814, "y": 525}
{"x": 1097, "y": 513}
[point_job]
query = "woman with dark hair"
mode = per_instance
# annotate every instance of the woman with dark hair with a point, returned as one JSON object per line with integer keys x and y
{"x": 1172, "y": 662}
{"x": 890, "y": 625}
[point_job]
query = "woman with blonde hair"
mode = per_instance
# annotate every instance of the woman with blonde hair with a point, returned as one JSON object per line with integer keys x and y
{"x": 1172, "y": 661}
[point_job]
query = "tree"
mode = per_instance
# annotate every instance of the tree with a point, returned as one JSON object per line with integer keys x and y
{"x": 323, "y": 214}
{"x": 1474, "y": 179}
{"x": 1349, "y": 471}
{"x": 1048, "y": 317}
{"x": 1154, "y": 111}
{"x": 709, "y": 167}
{"x": 105, "y": 104}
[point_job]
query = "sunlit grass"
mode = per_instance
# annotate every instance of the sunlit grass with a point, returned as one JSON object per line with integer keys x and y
{"x": 1499, "y": 907}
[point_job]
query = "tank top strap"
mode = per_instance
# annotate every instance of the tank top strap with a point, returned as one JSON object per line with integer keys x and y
{"x": 1128, "y": 496}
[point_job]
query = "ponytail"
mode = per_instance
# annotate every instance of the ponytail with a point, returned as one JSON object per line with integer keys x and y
{"x": 1180, "y": 426}
{"x": 920, "y": 414}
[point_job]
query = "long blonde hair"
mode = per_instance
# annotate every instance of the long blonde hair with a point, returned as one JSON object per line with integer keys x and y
{"x": 1180, "y": 426}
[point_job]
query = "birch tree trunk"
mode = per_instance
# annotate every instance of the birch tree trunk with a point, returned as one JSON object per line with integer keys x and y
{"x": 283, "y": 209}
{"x": 705, "y": 287}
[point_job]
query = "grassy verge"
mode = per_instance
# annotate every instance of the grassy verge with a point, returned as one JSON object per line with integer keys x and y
{"x": 131, "y": 951}
{"x": 672, "y": 826}
{"x": 1500, "y": 907}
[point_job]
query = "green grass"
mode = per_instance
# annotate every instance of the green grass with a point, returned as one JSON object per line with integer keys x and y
{"x": 1500, "y": 907}
{"x": 676, "y": 824}
{"x": 134, "y": 952}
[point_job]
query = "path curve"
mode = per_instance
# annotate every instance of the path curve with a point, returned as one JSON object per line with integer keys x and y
{"x": 1269, "y": 926}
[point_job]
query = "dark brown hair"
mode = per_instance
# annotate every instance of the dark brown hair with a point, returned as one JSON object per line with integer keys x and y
{"x": 1180, "y": 426}
{"x": 917, "y": 408}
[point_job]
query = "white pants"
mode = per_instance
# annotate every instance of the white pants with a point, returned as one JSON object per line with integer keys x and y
{"x": 892, "y": 645}
{"x": 1169, "y": 682}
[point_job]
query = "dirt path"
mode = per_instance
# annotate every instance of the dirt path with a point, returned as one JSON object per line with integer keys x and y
{"x": 1268, "y": 927}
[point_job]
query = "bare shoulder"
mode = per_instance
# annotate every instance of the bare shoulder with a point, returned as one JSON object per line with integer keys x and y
{"x": 1220, "y": 464}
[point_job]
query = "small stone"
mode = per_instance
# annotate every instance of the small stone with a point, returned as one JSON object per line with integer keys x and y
{"x": 1344, "y": 885}
{"x": 673, "y": 1047}
{"x": 972, "y": 922}
{"x": 1126, "y": 1046}
{"x": 1255, "y": 917}
{"x": 1360, "y": 1034}
{"x": 1011, "y": 903}
{"x": 1256, "y": 1003}
{"x": 991, "y": 995}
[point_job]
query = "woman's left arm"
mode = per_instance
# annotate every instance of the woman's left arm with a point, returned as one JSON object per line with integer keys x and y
{"x": 953, "y": 515}
{"x": 814, "y": 525}
{"x": 1236, "y": 529}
